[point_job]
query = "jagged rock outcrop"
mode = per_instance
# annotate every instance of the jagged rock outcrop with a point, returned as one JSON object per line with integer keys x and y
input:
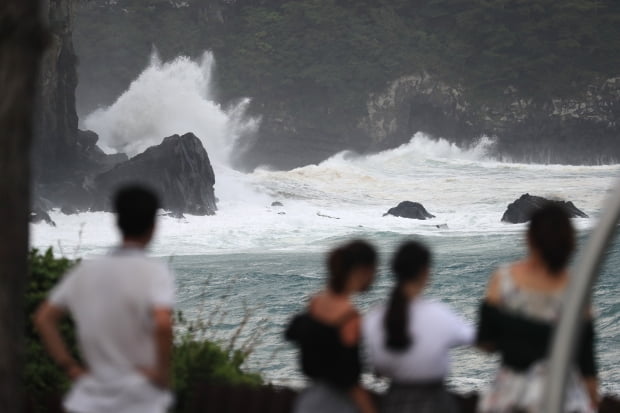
{"x": 583, "y": 128}
{"x": 178, "y": 169}
{"x": 416, "y": 103}
{"x": 73, "y": 174}
{"x": 64, "y": 158}
{"x": 408, "y": 209}
{"x": 522, "y": 209}
{"x": 72, "y": 191}
{"x": 56, "y": 123}
{"x": 91, "y": 157}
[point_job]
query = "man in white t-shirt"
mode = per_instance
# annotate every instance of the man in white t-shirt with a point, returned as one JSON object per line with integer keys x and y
{"x": 122, "y": 307}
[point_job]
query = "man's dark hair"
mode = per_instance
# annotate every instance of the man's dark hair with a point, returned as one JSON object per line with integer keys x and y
{"x": 551, "y": 233}
{"x": 342, "y": 261}
{"x": 135, "y": 207}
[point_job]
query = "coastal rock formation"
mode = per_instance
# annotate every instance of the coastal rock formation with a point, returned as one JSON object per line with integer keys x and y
{"x": 73, "y": 192}
{"x": 64, "y": 158}
{"x": 178, "y": 169}
{"x": 527, "y": 129}
{"x": 416, "y": 103}
{"x": 408, "y": 209}
{"x": 91, "y": 157}
{"x": 521, "y": 210}
{"x": 56, "y": 123}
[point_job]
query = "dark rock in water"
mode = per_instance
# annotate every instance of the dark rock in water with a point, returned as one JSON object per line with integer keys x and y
{"x": 277, "y": 204}
{"x": 408, "y": 209}
{"x": 38, "y": 215}
{"x": 281, "y": 213}
{"x": 522, "y": 209}
{"x": 178, "y": 169}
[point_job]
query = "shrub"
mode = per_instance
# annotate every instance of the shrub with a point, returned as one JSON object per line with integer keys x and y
{"x": 199, "y": 362}
{"x": 42, "y": 377}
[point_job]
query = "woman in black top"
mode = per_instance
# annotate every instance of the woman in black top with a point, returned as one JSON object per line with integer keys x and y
{"x": 328, "y": 335}
{"x": 522, "y": 305}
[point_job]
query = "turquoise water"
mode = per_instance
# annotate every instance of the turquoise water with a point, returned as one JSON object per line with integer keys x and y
{"x": 270, "y": 287}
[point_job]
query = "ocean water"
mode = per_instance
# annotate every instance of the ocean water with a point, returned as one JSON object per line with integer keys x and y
{"x": 254, "y": 265}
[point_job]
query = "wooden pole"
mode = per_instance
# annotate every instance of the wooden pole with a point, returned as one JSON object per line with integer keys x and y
{"x": 22, "y": 42}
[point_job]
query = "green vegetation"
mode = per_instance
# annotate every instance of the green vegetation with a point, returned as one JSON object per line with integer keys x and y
{"x": 198, "y": 360}
{"x": 317, "y": 53}
{"x": 42, "y": 377}
{"x": 195, "y": 359}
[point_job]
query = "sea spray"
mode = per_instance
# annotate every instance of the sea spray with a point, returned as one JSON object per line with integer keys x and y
{"x": 169, "y": 98}
{"x": 176, "y": 97}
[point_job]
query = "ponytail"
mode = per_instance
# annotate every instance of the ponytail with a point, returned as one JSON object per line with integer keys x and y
{"x": 396, "y": 320}
{"x": 409, "y": 264}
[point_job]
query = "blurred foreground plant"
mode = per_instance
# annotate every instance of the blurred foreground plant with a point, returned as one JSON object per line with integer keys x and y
{"x": 43, "y": 379}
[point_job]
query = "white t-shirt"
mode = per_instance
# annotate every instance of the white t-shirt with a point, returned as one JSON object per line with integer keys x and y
{"x": 435, "y": 329}
{"x": 111, "y": 300}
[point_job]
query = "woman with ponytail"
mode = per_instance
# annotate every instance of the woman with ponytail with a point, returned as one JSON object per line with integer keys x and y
{"x": 408, "y": 340}
{"x": 328, "y": 335}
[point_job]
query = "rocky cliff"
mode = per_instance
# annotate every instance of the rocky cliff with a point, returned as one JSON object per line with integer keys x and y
{"x": 73, "y": 174}
{"x": 56, "y": 123}
{"x": 582, "y": 128}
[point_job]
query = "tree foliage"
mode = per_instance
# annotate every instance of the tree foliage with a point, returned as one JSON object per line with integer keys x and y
{"x": 332, "y": 52}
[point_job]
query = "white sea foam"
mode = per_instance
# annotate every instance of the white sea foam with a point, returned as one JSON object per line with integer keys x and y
{"x": 347, "y": 195}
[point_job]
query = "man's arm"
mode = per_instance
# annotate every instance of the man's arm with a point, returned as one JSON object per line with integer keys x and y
{"x": 160, "y": 375}
{"x": 46, "y": 321}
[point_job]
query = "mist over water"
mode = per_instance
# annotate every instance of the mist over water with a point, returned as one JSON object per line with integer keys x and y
{"x": 276, "y": 253}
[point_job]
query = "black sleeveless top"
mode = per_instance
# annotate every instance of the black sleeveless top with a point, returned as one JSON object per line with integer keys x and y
{"x": 323, "y": 355}
{"x": 522, "y": 341}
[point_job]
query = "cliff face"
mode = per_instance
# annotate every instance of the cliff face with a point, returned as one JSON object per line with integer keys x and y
{"x": 583, "y": 128}
{"x": 73, "y": 174}
{"x": 56, "y": 124}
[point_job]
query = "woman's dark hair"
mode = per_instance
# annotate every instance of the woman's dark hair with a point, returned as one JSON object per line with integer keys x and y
{"x": 552, "y": 235}
{"x": 136, "y": 207}
{"x": 409, "y": 264}
{"x": 346, "y": 258}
